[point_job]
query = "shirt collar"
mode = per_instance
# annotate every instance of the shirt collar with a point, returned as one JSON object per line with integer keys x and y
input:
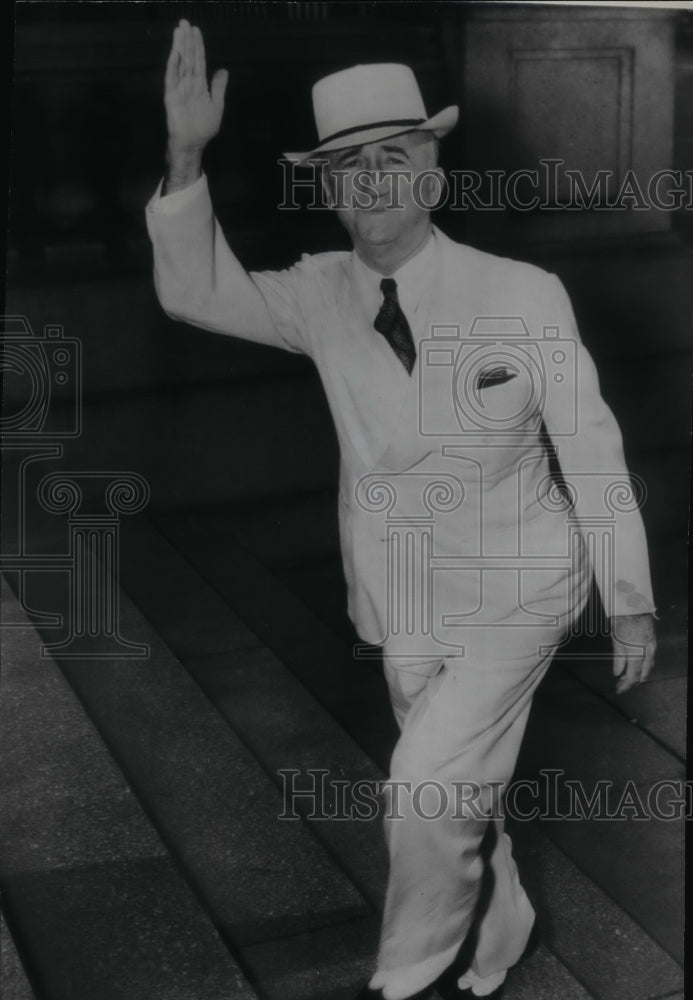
{"x": 414, "y": 279}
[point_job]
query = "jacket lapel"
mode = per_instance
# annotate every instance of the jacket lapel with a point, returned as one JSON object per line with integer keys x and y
{"x": 374, "y": 381}
{"x": 408, "y": 444}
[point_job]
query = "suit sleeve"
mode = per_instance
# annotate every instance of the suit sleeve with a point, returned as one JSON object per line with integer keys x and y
{"x": 589, "y": 446}
{"x": 200, "y": 281}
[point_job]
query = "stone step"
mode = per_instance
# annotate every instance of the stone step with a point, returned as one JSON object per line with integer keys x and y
{"x": 334, "y": 964}
{"x": 204, "y": 791}
{"x": 636, "y": 856}
{"x": 98, "y": 907}
{"x": 14, "y": 984}
{"x": 288, "y": 532}
{"x": 584, "y": 923}
{"x": 323, "y": 661}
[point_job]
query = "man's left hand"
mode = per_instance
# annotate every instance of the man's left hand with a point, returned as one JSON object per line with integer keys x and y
{"x": 634, "y": 644}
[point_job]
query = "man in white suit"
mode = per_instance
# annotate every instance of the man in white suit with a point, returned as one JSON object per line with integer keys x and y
{"x": 445, "y": 370}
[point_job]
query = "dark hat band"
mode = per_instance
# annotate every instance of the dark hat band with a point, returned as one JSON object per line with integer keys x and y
{"x": 406, "y": 122}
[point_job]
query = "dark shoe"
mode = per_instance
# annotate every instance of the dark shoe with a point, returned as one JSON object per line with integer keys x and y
{"x": 446, "y": 984}
{"x": 451, "y": 991}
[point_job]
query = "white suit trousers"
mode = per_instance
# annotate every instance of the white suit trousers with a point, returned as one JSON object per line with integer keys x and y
{"x": 462, "y": 720}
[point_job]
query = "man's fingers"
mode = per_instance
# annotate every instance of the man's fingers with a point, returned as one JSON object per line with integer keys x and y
{"x": 621, "y": 656}
{"x": 175, "y": 41}
{"x": 188, "y": 66}
{"x": 629, "y": 677}
{"x": 620, "y": 667}
{"x": 648, "y": 662}
{"x": 171, "y": 78}
{"x": 631, "y": 669}
{"x": 199, "y": 54}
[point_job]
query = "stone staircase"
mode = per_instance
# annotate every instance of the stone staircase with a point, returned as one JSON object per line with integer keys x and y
{"x": 143, "y": 855}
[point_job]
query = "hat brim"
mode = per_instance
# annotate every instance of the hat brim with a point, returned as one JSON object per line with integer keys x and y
{"x": 439, "y": 124}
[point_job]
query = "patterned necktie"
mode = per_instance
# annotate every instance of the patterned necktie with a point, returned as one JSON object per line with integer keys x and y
{"x": 392, "y": 323}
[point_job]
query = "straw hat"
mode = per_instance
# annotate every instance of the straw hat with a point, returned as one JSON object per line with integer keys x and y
{"x": 370, "y": 103}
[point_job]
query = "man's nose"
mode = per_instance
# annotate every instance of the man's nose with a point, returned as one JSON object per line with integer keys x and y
{"x": 379, "y": 178}
{"x": 376, "y": 179}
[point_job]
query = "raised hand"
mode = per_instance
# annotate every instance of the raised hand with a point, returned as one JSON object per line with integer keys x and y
{"x": 193, "y": 110}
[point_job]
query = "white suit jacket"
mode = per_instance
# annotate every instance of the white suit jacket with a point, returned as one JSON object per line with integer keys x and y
{"x": 498, "y": 360}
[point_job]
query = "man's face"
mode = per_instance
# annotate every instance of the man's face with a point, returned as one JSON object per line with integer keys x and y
{"x": 383, "y": 191}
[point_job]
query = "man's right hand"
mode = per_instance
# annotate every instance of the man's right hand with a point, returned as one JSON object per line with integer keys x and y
{"x": 193, "y": 110}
